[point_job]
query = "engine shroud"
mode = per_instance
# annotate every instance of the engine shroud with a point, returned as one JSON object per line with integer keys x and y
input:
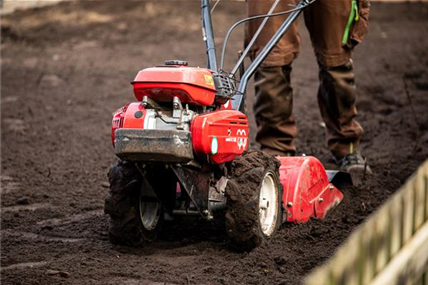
{"x": 221, "y": 135}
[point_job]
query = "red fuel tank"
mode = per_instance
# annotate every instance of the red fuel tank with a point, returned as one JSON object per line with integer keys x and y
{"x": 191, "y": 85}
{"x": 221, "y": 135}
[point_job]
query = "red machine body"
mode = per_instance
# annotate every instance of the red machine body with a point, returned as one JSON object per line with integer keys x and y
{"x": 125, "y": 118}
{"x": 181, "y": 149}
{"x": 307, "y": 191}
{"x": 190, "y": 84}
{"x": 222, "y": 135}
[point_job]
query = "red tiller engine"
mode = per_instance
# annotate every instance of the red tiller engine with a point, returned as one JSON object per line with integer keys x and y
{"x": 182, "y": 112}
{"x": 182, "y": 150}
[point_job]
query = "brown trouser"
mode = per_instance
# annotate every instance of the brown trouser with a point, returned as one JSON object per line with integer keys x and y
{"x": 326, "y": 21}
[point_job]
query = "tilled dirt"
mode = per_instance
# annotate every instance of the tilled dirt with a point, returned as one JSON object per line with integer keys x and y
{"x": 66, "y": 68}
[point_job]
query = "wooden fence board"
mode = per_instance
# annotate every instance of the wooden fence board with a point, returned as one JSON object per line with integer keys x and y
{"x": 391, "y": 247}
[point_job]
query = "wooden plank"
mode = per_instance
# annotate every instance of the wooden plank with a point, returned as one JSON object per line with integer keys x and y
{"x": 420, "y": 195}
{"x": 408, "y": 209}
{"x": 381, "y": 237}
{"x": 395, "y": 217}
{"x": 410, "y": 263}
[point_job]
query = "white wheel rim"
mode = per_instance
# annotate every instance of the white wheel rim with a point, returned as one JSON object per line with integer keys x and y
{"x": 268, "y": 204}
{"x": 149, "y": 214}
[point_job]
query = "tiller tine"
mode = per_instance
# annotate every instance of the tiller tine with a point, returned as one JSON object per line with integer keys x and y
{"x": 308, "y": 192}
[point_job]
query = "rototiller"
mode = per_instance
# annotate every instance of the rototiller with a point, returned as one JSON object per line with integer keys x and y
{"x": 183, "y": 150}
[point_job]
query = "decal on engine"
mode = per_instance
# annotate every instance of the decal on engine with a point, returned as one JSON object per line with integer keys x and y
{"x": 242, "y": 142}
{"x": 209, "y": 80}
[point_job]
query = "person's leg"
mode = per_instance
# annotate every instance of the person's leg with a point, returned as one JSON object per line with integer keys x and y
{"x": 336, "y": 99}
{"x": 273, "y": 109}
{"x": 273, "y": 93}
{"x": 334, "y": 32}
{"x": 287, "y": 48}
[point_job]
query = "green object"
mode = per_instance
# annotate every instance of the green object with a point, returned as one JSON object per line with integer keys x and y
{"x": 353, "y": 16}
{"x": 214, "y": 146}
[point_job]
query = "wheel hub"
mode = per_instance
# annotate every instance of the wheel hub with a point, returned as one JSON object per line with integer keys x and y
{"x": 268, "y": 204}
{"x": 150, "y": 212}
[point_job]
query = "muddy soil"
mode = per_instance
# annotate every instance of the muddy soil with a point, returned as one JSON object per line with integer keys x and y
{"x": 66, "y": 68}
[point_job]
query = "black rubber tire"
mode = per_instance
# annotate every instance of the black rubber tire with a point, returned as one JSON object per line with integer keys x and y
{"x": 123, "y": 205}
{"x": 243, "y": 194}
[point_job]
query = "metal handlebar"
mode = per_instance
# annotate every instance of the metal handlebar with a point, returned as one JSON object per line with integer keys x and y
{"x": 208, "y": 35}
{"x": 237, "y": 102}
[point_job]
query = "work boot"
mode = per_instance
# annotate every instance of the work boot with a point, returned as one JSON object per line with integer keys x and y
{"x": 356, "y": 166}
{"x": 351, "y": 161}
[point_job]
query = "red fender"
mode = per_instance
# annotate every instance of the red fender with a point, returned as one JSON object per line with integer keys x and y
{"x": 307, "y": 190}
